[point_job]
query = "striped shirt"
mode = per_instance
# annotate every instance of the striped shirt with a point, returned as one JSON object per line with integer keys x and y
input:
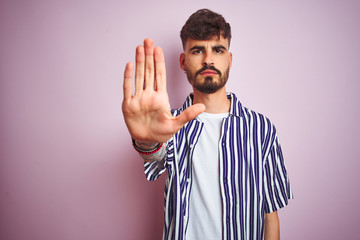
{"x": 253, "y": 176}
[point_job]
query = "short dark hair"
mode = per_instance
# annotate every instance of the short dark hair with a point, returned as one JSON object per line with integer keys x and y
{"x": 203, "y": 25}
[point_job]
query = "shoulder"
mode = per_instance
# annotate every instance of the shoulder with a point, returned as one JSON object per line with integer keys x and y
{"x": 248, "y": 115}
{"x": 254, "y": 117}
{"x": 256, "y": 124}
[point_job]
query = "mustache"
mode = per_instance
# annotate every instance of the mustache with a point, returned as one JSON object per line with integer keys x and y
{"x": 208, "y": 68}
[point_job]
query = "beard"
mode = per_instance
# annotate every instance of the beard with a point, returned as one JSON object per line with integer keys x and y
{"x": 209, "y": 85}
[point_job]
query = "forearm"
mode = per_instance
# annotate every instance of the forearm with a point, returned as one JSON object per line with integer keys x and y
{"x": 272, "y": 226}
{"x": 150, "y": 151}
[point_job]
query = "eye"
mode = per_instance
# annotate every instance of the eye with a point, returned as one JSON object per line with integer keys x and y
{"x": 218, "y": 50}
{"x": 197, "y": 51}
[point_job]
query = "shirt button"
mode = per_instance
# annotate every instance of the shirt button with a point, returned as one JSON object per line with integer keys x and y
{"x": 227, "y": 219}
{"x": 191, "y": 145}
{"x": 223, "y": 143}
{"x": 225, "y": 180}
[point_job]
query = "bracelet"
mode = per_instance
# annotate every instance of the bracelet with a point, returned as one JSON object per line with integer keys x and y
{"x": 147, "y": 152}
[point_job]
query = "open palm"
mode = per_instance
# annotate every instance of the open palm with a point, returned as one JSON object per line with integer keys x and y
{"x": 147, "y": 111}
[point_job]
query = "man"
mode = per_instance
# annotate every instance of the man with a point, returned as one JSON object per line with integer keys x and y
{"x": 226, "y": 176}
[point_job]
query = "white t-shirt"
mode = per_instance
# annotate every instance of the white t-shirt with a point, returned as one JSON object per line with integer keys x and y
{"x": 205, "y": 207}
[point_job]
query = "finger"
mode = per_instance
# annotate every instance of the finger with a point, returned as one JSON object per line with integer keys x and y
{"x": 160, "y": 69}
{"x": 127, "y": 86}
{"x": 139, "y": 72}
{"x": 189, "y": 114}
{"x": 149, "y": 64}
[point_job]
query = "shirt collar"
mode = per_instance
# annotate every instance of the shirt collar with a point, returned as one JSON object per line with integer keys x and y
{"x": 235, "y": 106}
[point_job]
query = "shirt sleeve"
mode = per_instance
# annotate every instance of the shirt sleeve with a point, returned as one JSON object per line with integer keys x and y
{"x": 277, "y": 188}
{"x": 154, "y": 169}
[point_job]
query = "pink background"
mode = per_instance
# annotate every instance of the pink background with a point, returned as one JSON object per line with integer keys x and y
{"x": 68, "y": 170}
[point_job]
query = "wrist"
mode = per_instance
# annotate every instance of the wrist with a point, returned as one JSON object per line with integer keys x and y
{"x": 146, "y": 148}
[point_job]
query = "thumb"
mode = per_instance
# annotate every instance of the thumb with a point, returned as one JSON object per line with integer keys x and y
{"x": 189, "y": 114}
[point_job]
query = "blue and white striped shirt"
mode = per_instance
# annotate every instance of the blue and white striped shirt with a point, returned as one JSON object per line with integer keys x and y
{"x": 253, "y": 176}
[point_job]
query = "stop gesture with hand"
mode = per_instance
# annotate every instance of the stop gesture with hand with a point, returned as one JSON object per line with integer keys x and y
{"x": 147, "y": 111}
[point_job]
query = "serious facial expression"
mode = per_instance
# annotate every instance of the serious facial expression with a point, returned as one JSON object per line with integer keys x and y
{"x": 206, "y": 63}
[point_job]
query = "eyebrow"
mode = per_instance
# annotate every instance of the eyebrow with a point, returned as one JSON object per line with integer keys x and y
{"x": 202, "y": 47}
{"x": 197, "y": 48}
{"x": 219, "y": 47}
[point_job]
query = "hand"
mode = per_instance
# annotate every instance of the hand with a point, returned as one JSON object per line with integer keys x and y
{"x": 147, "y": 113}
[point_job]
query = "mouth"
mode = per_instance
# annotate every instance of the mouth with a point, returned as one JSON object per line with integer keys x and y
{"x": 208, "y": 73}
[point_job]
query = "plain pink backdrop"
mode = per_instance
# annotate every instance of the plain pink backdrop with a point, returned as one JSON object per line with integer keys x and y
{"x": 68, "y": 170}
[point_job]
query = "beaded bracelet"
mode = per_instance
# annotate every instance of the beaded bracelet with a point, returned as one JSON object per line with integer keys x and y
{"x": 147, "y": 152}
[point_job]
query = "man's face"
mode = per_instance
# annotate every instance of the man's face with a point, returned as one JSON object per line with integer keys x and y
{"x": 207, "y": 63}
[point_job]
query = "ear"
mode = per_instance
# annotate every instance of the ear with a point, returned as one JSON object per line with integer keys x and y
{"x": 230, "y": 63}
{"x": 182, "y": 61}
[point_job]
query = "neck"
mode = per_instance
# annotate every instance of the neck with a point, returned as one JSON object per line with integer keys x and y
{"x": 215, "y": 102}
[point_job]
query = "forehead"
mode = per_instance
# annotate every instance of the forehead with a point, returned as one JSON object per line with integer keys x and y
{"x": 214, "y": 41}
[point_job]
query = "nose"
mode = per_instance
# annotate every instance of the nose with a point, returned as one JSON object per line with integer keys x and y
{"x": 208, "y": 59}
